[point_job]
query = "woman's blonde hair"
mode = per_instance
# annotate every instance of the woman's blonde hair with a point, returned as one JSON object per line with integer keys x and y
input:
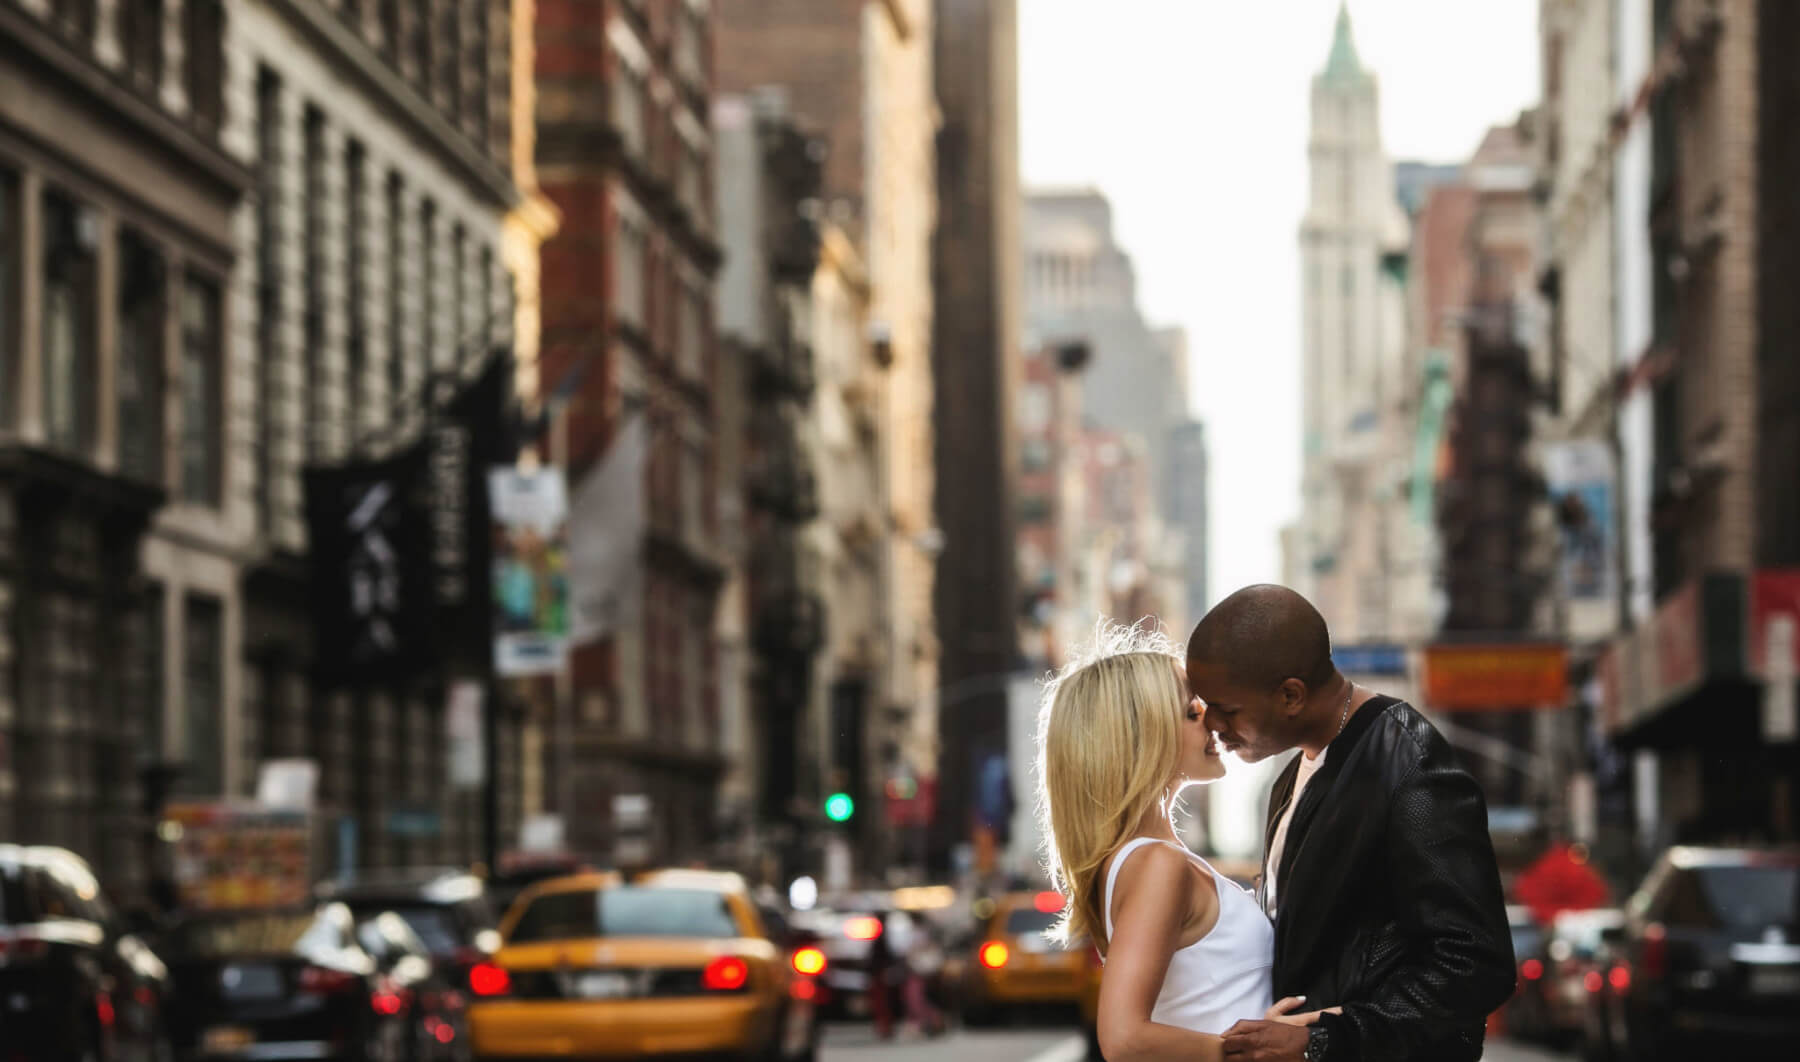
{"x": 1109, "y": 743}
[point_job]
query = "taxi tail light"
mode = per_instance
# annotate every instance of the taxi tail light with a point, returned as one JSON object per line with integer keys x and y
{"x": 725, "y": 974}
{"x": 809, "y": 961}
{"x": 1533, "y": 969}
{"x": 805, "y": 990}
{"x": 487, "y": 980}
{"x": 994, "y": 955}
{"x": 319, "y": 981}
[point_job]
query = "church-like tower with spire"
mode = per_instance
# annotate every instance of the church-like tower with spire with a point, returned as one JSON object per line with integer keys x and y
{"x": 1352, "y": 338}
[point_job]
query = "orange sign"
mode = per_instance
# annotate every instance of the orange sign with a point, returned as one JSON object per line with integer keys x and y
{"x": 1496, "y": 678}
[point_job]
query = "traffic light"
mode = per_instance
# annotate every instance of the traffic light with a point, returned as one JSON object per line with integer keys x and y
{"x": 839, "y": 807}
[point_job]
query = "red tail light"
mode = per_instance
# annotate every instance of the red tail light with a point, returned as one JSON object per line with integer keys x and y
{"x": 994, "y": 955}
{"x": 805, "y": 990}
{"x": 1620, "y": 978}
{"x": 727, "y": 974}
{"x": 319, "y": 981}
{"x": 386, "y": 1002}
{"x": 809, "y": 961}
{"x": 444, "y": 1033}
{"x": 1593, "y": 982}
{"x": 487, "y": 980}
{"x": 103, "y": 1006}
{"x": 1532, "y": 970}
{"x": 1656, "y": 951}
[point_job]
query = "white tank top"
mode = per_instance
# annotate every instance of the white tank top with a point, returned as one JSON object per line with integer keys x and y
{"x": 1225, "y": 976}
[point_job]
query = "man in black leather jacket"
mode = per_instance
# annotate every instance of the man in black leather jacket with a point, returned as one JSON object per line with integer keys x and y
{"x": 1386, "y": 897}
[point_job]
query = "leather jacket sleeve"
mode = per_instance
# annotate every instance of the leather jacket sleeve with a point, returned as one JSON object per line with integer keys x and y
{"x": 1458, "y": 967}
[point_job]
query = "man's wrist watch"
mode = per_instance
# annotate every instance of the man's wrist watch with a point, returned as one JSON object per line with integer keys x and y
{"x": 1318, "y": 1043}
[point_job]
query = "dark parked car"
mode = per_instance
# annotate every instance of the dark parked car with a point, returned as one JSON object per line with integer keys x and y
{"x": 435, "y": 1009}
{"x": 291, "y": 984}
{"x": 73, "y": 983}
{"x": 448, "y": 910}
{"x": 1526, "y": 1014}
{"x": 1709, "y": 957}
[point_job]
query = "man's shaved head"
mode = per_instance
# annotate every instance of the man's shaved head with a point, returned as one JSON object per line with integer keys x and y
{"x": 1263, "y": 635}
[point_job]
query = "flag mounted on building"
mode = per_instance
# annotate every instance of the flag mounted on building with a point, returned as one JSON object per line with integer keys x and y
{"x": 371, "y": 585}
{"x": 531, "y": 569}
{"x": 606, "y": 555}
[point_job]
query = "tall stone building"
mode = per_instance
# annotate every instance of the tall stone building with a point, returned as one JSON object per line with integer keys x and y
{"x": 859, "y": 76}
{"x": 977, "y": 331}
{"x": 625, "y": 152}
{"x": 1352, "y": 367}
{"x": 124, "y": 489}
{"x": 372, "y": 275}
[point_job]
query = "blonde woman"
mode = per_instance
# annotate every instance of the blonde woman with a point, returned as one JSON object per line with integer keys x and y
{"x": 1188, "y": 953}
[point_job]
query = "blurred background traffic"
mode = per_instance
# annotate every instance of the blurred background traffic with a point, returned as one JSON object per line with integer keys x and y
{"x": 533, "y": 528}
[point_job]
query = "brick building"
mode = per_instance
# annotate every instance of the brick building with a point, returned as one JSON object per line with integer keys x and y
{"x": 624, "y": 152}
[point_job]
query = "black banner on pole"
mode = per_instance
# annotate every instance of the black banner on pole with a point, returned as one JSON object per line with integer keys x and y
{"x": 466, "y": 439}
{"x": 369, "y": 537}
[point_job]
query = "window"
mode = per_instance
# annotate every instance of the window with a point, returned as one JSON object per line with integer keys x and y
{"x": 1034, "y": 455}
{"x": 203, "y": 730}
{"x": 268, "y": 291}
{"x": 201, "y": 365}
{"x": 141, "y": 34}
{"x": 459, "y": 282}
{"x": 487, "y": 300}
{"x": 204, "y": 37}
{"x": 1034, "y": 509}
{"x": 628, "y": 270}
{"x": 312, "y": 210}
{"x": 451, "y": 59}
{"x": 9, "y": 280}
{"x": 70, "y": 234}
{"x": 428, "y": 286}
{"x": 396, "y": 289}
{"x": 419, "y": 48}
{"x": 74, "y": 18}
{"x": 140, "y": 350}
{"x": 390, "y": 28}
{"x": 628, "y": 107}
{"x": 356, "y": 261}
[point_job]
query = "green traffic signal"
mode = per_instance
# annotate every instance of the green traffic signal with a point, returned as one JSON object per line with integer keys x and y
{"x": 839, "y": 807}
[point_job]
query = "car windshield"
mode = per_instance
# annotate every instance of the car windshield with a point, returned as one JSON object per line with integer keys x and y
{"x": 306, "y": 933}
{"x": 13, "y": 907}
{"x": 1027, "y": 921}
{"x": 1743, "y": 899}
{"x": 626, "y": 911}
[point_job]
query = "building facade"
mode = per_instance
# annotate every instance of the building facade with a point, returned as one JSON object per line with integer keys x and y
{"x": 124, "y": 495}
{"x": 372, "y": 280}
{"x": 859, "y": 75}
{"x": 624, "y": 152}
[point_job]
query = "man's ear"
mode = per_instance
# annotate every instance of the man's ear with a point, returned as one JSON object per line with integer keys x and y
{"x": 1293, "y": 697}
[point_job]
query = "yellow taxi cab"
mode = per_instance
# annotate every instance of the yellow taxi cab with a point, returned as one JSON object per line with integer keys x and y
{"x": 1016, "y": 966}
{"x": 672, "y": 963}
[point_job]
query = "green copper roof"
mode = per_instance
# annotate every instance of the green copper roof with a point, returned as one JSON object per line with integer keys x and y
{"x": 1343, "y": 64}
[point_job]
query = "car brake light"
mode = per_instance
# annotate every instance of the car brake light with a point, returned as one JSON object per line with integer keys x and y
{"x": 1593, "y": 982}
{"x": 1532, "y": 969}
{"x": 389, "y": 1000}
{"x": 444, "y": 1033}
{"x": 319, "y": 981}
{"x": 103, "y": 1006}
{"x": 1656, "y": 951}
{"x": 994, "y": 955}
{"x": 1620, "y": 978}
{"x": 809, "y": 961}
{"x": 805, "y": 990}
{"x": 726, "y": 974}
{"x": 862, "y": 928}
{"x": 488, "y": 980}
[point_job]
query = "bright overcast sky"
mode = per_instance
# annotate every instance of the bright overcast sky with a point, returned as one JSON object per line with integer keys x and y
{"x": 1192, "y": 116}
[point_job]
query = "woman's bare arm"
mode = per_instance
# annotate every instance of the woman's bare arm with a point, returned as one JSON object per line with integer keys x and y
{"x": 1153, "y": 900}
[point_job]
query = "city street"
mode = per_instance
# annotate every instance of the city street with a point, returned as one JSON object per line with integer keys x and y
{"x": 852, "y": 1042}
